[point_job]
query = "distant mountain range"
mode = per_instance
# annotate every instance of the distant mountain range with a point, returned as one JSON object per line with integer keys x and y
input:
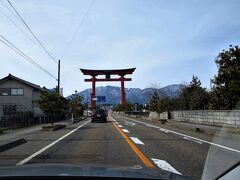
{"x": 133, "y": 95}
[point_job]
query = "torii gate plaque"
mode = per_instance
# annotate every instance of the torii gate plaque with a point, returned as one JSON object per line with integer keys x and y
{"x": 107, "y": 73}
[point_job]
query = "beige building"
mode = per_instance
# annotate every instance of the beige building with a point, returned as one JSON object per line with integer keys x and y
{"x": 18, "y": 95}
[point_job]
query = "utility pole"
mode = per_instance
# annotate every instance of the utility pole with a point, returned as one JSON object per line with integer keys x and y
{"x": 58, "y": 90}
{"x": 211, "y": 85}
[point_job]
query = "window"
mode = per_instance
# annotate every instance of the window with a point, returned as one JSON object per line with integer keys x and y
{"x": 5, "y": 91}
{"x": 11, "y": 92}
{"x": 17, "y": 92}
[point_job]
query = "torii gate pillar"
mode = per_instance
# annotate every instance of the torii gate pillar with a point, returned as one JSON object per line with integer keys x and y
{"x": 93, "y": 95}
{"x": 123, "y": 91}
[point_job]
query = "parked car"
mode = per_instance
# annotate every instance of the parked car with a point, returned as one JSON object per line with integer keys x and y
{"x": 98, "y": 115}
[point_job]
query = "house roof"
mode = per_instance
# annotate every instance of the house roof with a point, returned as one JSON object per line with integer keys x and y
{"x": 11, "y": 77}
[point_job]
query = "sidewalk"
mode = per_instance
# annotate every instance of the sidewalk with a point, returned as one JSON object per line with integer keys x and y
{"x": 12, "y": 138}
{"x": 11, "y": 135}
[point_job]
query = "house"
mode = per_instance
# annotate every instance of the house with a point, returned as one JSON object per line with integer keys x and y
{"x": 18, "y": 95}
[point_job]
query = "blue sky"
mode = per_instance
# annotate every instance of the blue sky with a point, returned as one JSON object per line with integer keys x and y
{"x": 166, "y": 40}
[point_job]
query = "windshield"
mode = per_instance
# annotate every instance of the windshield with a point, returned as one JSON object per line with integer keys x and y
{"x": 136, "y": 88}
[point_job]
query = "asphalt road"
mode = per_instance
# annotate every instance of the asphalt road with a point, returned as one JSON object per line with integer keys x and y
{"x": 126, "y": 142}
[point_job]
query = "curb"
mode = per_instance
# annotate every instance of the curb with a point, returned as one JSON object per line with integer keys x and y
{"x": 78, "y": 120}
{"x": 57, "y": 127}
{"x": 12, "y": 144}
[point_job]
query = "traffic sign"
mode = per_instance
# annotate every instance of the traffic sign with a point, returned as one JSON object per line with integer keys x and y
{"x": 101, "y": 98}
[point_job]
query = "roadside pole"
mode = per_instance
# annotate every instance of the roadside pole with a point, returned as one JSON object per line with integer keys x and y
{"x": 72, "y": 117}
{"x": 58, "y": 77}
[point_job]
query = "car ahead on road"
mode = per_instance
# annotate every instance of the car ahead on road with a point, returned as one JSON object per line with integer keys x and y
{"x": 98, "y": 115}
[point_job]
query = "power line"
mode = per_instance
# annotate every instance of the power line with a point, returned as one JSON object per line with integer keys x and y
{"x": 11, "y": 11}
{"x": 82, "y": 20}
{"x": 14, "y": 23}
{"x": 14, "y": 48}
{"x": 18, "y": 51}
{"x": 31, "y": 32}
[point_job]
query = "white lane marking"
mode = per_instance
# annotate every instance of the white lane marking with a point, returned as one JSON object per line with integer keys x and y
{"x": 164, "y": 130}
{"x": 149, "y": 125}
{"x": 164, "y": 165}
{"x": 130, "y": 123}
{"x": 120, "y": 126}
{"x": 136, "y": 140}
{"x": 199, "y": 142}
{"x": 184, "y": 135}
{"x": 50, "y": 145}
{"x": 125, "y": 130}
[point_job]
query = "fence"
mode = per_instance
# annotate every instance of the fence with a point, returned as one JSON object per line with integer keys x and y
{"x": 16, "y": 120}
{"x": 21, "y": 119}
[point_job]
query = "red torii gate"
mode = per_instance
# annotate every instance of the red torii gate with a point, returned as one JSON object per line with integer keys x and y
{"x": 107, "y": 73}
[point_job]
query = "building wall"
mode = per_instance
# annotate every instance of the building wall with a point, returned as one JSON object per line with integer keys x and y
{"x": 25, "y": 100}
{"x": 36, "y": 110}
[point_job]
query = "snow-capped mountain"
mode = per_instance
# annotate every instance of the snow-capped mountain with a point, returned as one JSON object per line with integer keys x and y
{"x": 133, "y": 95}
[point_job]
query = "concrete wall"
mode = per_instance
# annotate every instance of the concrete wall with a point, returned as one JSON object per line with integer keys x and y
{"x": 158, "y": 116}
{"x": 221, "y": 118}
{"x": 227, "y": 117}
{"x": 154, "y": 116}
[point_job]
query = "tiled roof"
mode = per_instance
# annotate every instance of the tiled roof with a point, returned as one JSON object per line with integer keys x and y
{"x": 9, "y": 77}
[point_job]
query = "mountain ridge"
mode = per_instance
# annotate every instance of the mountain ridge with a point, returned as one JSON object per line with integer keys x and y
{"x": 133, "y": 95}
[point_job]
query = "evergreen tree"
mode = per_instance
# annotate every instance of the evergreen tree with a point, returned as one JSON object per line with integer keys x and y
{"x": 226, "y": 90}
{"x": 52, "y": 104}
{"x": 75, "y": 103}
{"x": 193, "y": 96}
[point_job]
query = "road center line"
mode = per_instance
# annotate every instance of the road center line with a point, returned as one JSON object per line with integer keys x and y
{"x": 148, "y": 163}
{"x": 48, "y": 146}
{"x": 184, "y": 135}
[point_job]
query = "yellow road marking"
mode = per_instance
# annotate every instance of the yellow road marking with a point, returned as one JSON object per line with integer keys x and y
{"x": 139, "y": 153}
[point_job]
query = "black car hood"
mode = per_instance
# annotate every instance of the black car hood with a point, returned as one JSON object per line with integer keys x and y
{"x": 83, "y": 170}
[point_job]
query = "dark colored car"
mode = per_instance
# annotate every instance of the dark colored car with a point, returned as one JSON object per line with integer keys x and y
{"x": 99, "y": 115}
